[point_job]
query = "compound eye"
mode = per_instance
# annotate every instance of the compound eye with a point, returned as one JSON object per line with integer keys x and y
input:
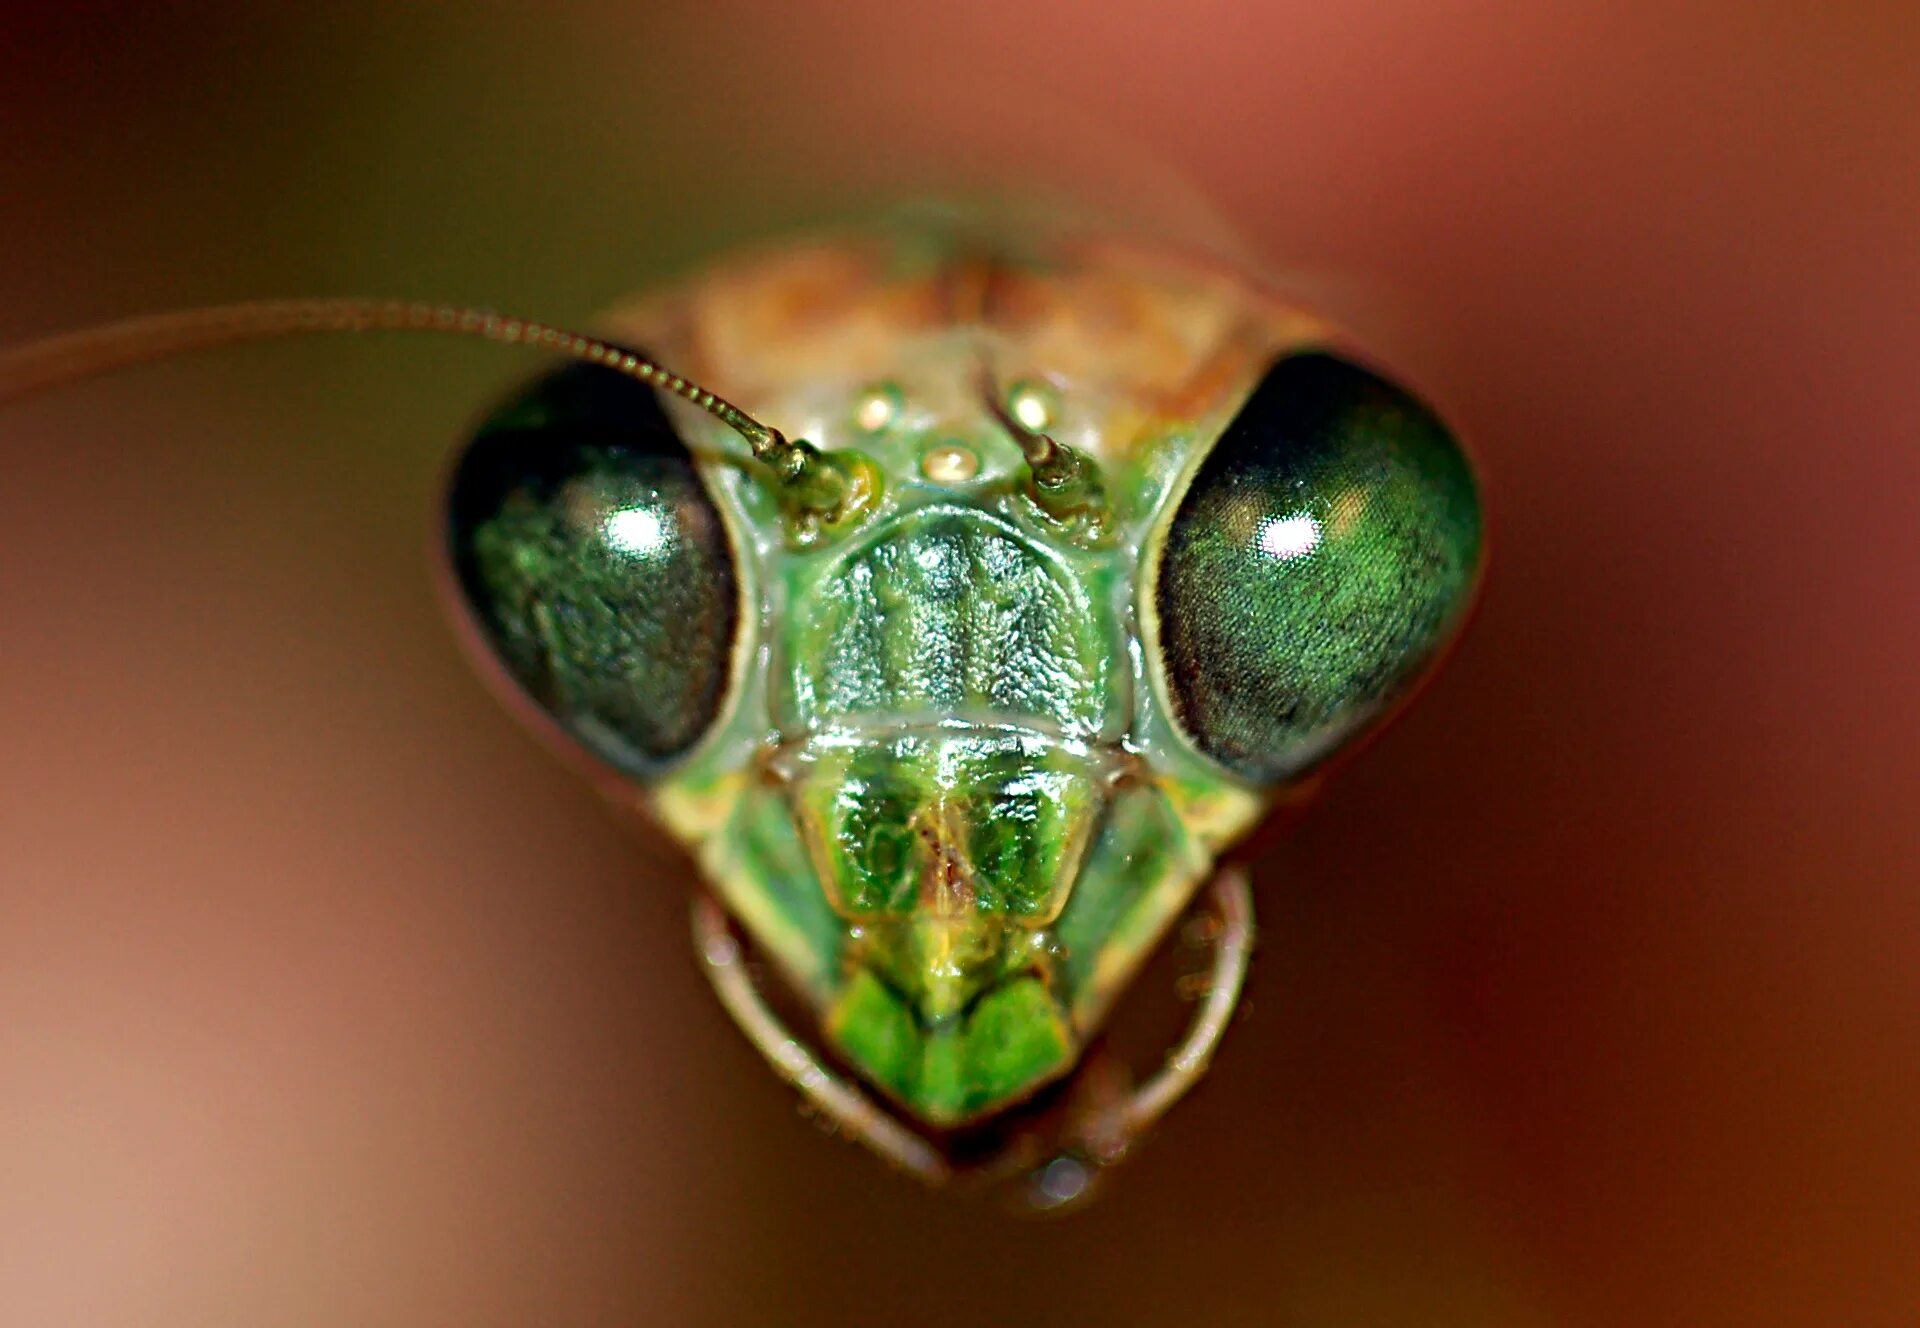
{"x": 1320, "y": 559}
{"x": 596, "y": 566}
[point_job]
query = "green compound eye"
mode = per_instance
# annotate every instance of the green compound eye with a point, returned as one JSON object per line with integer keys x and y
{"x": 596, "y": 566}
{"x": 1320, "y": 559}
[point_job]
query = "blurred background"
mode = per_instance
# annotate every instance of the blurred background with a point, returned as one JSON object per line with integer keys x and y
{"x": 1590, "y": 996}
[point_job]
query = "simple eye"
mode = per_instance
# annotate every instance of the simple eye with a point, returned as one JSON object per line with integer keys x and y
{"x": 1321, "y": 557}
{"x": 596, "y": 565}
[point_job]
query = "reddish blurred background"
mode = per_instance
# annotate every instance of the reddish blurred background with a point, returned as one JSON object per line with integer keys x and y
{"x": 1591, "y": 996}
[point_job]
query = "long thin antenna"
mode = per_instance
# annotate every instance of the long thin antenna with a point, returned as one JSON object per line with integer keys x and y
{"x": 812, "y": 480}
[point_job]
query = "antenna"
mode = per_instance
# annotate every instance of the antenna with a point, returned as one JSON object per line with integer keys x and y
{"x": 1064, "y": 481}
{"x": 814, "y": 482}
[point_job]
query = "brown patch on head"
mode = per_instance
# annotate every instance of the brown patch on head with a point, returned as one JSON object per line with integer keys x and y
{"x": 1097, "y": 319}
{"x": 826, "y": 312}
{"x": 1225, "y": 370}
{"x": 946, "y": 881}
{"x": 1133, "y": 338}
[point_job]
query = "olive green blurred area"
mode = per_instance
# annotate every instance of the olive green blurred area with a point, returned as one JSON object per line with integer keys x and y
{"x": 1590, "y": 994}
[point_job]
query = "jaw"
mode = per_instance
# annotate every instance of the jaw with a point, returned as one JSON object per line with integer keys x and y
{"x": 954, "y": 1014}
{"x": 1009, "y": 1041}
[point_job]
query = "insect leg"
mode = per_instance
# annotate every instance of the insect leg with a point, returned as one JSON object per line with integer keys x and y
{"x": 1232, "y": 951}
{"x": 846, "y": 1106}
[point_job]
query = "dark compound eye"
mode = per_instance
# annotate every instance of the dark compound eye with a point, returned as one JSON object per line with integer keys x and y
{"x": 1322, "y": 556}
{"x": 596, "y": 565}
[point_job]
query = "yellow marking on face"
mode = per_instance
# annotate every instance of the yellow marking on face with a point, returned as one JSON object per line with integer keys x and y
{"x": 879, "y": 407}
{"x": 1034, "y": 405}
{"x": 950, "y": 464}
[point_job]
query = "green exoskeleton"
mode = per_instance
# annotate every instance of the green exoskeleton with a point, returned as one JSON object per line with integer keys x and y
{"x": 1089, "y": 554}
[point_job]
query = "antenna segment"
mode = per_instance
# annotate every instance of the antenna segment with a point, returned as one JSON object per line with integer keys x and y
{"x": 813, "y": 482}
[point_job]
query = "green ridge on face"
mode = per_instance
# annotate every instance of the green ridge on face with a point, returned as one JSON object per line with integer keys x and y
{"x": 1010, "y": 1040}
{"x": 950, "y": 614}
{"x": 877, "y": 1032}
{"x": 949, "y": 673}
{"x": 890, "y": 819}
{"x": 596, "y": 566}
{"x": 1319, "y": 560}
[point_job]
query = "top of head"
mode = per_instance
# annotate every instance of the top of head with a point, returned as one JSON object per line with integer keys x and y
{"x": 1188, "y": 391}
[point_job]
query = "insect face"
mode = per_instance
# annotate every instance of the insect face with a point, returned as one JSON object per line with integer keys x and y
{"x": 956, "y": 762}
